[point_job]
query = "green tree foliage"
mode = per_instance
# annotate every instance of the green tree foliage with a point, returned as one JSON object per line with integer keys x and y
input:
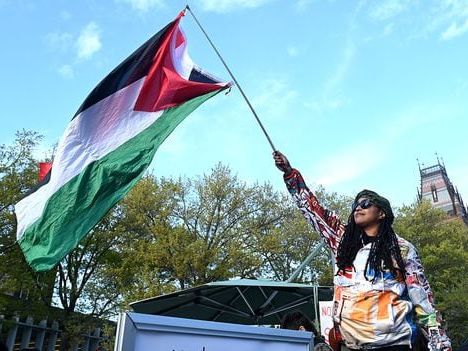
{"x": 18, "y": 175}
{"x": 292, "y": 240}
{"x": 186, "y": 232}
{"x": 25, "y": 292}
{"x": 286, "y": 245}
{"x": 443, "y": 246}
{"x": 192, "y": 231}
{"x": 151, "y": 250}
{"x": 81, "y": 283}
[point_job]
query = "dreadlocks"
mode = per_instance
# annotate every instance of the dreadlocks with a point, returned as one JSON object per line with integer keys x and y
{"x": 384, "y": 253}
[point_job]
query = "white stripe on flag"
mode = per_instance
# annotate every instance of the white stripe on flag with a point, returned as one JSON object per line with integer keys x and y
{"x": 91, "y": 135}
{"x": 183, "y": 64}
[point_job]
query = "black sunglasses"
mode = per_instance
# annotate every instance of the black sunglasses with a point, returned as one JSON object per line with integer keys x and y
{"x": 364, "y": 204}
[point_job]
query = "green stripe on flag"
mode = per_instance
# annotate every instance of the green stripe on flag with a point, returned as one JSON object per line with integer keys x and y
{"x": 72, "y": 211}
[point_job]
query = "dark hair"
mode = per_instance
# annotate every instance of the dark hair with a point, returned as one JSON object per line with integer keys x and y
{"x": 384, "y": 250}
{"x": 295, "y": 320}
{"x": 3, "y": 347}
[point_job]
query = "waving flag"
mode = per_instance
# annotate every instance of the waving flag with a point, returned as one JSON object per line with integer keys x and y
{"x": 44, "y": 168}
{"x": 110, "y": 142}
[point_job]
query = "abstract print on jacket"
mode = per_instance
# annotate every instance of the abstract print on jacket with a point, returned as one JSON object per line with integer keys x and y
{"x": 370, "y": 313}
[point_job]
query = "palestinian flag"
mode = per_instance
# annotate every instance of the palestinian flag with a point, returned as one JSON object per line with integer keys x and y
{"x": 44, "y": 168}
{"x": 109, "y": 144}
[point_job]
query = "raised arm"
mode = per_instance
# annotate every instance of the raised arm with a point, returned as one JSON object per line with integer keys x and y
{"x": 422, "y": 298}
{"x": 324, "y": 221}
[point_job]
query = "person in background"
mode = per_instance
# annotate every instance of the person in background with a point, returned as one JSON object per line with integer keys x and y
{"x": 298, "y": 321}
{"x": 379, "y": 283}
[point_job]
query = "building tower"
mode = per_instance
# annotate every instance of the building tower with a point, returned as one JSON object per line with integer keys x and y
{"x": 439, "y": 190}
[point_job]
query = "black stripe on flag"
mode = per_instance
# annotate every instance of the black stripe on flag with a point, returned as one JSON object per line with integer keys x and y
{"x": 135, "y": 67}
{"x": 198, "y": 75}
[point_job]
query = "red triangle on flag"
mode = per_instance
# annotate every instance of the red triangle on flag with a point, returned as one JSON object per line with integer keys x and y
{"x": 44, "y": 168}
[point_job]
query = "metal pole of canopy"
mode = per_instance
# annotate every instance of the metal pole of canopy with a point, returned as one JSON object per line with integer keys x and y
{"x": 309, "y": 258}
{"x": 295, "y": 274}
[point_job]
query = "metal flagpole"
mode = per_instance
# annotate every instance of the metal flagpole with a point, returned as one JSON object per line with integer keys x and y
{"x": 233, "y": 78}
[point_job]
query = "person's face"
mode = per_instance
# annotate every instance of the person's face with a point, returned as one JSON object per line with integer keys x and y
{"x": 366, "y": 214}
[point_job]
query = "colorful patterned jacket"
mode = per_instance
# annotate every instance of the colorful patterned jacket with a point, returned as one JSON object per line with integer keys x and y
{"x": 371, "y": 313}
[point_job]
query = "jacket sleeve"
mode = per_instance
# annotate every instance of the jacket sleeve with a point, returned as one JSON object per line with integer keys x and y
{"x": 325, "y": 222}
{"x": 422, "y": 298}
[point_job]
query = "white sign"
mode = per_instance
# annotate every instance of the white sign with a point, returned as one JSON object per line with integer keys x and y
{"x": 143, "y": 332}
{"x": 326, "y": 318}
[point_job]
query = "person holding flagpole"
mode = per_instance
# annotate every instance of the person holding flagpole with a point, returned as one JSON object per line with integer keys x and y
{"x": 380, "y": 286}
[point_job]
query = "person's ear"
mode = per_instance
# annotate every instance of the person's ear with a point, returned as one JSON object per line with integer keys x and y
{"x": 381, "y": 215}
{"x": 301, "y": 328}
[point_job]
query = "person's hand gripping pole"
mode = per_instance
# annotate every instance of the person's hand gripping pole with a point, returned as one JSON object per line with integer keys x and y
{"x": 281, "y": 162}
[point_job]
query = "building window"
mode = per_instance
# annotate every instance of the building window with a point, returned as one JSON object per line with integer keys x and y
{"x": 434, "y": 193}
